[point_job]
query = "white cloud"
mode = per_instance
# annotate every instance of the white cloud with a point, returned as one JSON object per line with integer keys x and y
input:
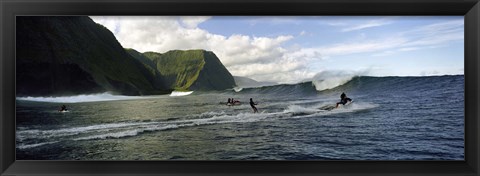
{"x": 111, "y": 23}
{"x": 437, "y": 39}
{"x": 336, "y": 23}
{"x": 435, "y": 34}
{"x": 352, "y": 47}
{"x": 424, "y": 37}
{"x": 290, "y": 77}
{"x": 252, "y": 69}
{"x": 368, "y": 24}
{"x": 265, "y": 58}
{"x": 243, "y": 55}
{"x": 362, "y": 46}
{"x": 357, "y": 23}
{"x": 440, "y": 28}
{"x": 193, "y": 21}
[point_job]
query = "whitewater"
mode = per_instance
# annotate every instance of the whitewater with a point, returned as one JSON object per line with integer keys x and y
{"x": 392, "y": 118}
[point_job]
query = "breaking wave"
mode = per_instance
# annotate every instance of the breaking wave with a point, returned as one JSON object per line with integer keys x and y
{"x": 180, "y": 93}
{"x": 81, "y": 98}
{"x": 331, "y": 82}
{"x": 331, "y": 79}
{"x": 237, "y": 89}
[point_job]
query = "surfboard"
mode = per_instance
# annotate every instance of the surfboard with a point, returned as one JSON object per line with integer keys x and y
{"x": 327, "y": 107}
{"x": 348, "y": 103}
{"x": 234, "y": 104}
{"x": 332, "y": 107}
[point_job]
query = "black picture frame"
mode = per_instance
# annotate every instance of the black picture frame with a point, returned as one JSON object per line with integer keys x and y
{"x": 9, "y": 9}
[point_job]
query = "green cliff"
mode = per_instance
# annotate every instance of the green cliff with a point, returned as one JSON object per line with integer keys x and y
{"x": 74, "y": 55}
{"x": 188, "y": 70}
{"x": 59, "y": 56}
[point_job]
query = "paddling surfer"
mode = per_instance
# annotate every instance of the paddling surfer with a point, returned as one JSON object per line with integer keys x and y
{"x": 63, "y": 108}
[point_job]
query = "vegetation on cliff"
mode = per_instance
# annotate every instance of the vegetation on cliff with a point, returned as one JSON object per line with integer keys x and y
{"x": 188, "y": 70}
{"x": 69, "y": 55}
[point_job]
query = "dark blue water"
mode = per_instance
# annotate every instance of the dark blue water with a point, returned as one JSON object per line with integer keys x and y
{"x": 392, "y": 118}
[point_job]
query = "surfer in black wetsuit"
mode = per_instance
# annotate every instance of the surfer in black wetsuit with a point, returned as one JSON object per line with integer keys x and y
{"x": 229, "y": 102}
{"x": 343, "y": 99}
{"x": 252, "y": 104}
{"x": 63, "y": 108}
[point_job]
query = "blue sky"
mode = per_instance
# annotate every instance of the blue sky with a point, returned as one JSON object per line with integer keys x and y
{"x": 292, "y": 49}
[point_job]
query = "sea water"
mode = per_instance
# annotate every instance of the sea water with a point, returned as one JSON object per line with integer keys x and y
{"x": 391, "y": 118}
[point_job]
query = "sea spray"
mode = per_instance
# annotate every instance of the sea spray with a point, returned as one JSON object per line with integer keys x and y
{"x": 180, "y": 93}
{"x": 81, "y": 98}
{"x": 333, "y": 78}
{"x": 130, "y": 129}
{"x": 237, "y": 89}
{"x": 26, "y": 146}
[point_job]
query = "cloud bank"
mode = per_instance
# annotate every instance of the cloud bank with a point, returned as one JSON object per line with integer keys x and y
{"x": 261, "y": 58}
{"x": 268, "y": 58}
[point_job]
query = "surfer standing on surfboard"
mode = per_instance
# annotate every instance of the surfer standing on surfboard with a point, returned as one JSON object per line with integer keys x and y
{"x": 343, "y": 99}
{"x": 252, "y": 104}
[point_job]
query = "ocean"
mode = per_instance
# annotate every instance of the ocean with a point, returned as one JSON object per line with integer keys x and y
{"x": 391, "y": 118}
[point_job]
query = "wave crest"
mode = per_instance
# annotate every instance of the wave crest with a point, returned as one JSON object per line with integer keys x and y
{"x": 237, "y": 89}
{"x": 180, "y": 93}
{"x": 331, "y": 79}
{"x": 81, "y": 98}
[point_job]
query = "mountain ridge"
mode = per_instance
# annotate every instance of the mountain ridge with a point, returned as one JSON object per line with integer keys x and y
{"x": 188, "y": 69}
{"x": 64, "y": 55}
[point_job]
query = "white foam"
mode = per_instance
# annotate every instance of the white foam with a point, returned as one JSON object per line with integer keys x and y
{"x": 314, "y": 111}
{"x": 359, "y": 106}
{"x": 237, "y": 89}
{"x": 127, "y": 129}
{"x": 211, "y": 114}
{"x": 33, "y": 134}
{"x": 128, "y": 133}
{"x": 180, "y": 93}
{"x": 295, "y": 109}
{"x": 110, "y": 135}
{"x": 120, "y": 130}
{"x": 81, "y": 98}
{"x": 22, "y": 146}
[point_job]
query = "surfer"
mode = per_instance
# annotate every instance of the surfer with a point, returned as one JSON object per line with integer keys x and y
{"x": 252, "y": 104}
{"x": 63, "y": 108}
{"x": 232, "y": 101}
{"x": 343, "y": 99}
